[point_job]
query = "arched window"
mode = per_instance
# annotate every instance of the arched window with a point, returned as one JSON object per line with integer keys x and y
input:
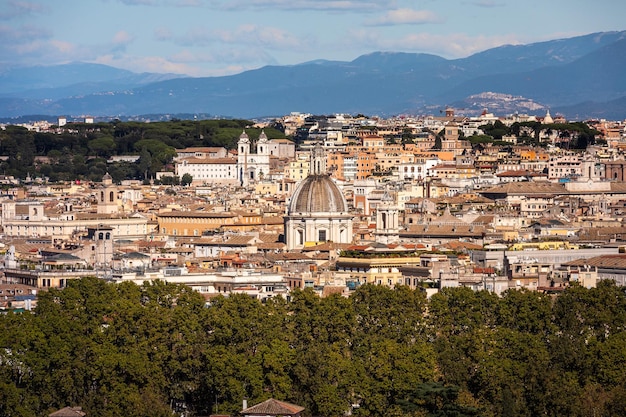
{"x": 111, "y": 196}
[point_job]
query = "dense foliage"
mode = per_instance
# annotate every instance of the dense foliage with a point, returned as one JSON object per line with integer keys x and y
{"x": 573, "y": 135}
{"x": 80, "y": 151}
{"x": 128, "y": 350}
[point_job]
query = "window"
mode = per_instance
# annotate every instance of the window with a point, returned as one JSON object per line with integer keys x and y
{"x": 322, "y": 235}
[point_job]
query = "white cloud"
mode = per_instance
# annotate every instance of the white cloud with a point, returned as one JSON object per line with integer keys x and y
{"x": 322, "y": 5}
{"x": 163, "y": 34}
{"x": 405, "y": 17}
{"x": 455, "y": 45}
{"x": 144, "y": 64}
{"x": 25, "y": 33}
{"x": 139, "y": 2}
{"x": 14, "y": 9}
{"x": 122, "y": 37}
{"x": 238, "y": 56}
{"x": 248, "y": 34}
{"x": 487, "y": 3}
{"x": 63, "y": 48}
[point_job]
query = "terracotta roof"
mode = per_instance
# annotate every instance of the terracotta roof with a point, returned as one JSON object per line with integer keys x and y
{"x": 68, "y": 412}
{"x": 483, "y": 219}
{"x": 269, "y": 237}
{"x": 457, "y": 245}
{"x": 525, "y": 188}
{"x": 327, "y": 246}
{"x": 287, "y": 256}
{"x": 443, "y": 230}
{"x": 194, "y": 160}
{"x": 518, "y": 173}
{"x": 201, "y": 149}
{"x": 329, "y": 290}
{"x": 197, "y": 214}
{"x": 270, "y": 246}
{"x": 604, "y": 261}
{"x": 273, "y": 407}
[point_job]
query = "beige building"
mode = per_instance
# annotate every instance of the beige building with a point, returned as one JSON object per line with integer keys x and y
{"x": 27, "y": 219}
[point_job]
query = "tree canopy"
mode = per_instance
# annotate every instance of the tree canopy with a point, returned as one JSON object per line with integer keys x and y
{"x": 158, "y": 350}
{"x": 80, "y": 150}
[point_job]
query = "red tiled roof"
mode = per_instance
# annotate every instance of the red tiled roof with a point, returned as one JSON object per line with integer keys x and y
{"x": 68, "y": 412}
{"x": 273, "y": 407}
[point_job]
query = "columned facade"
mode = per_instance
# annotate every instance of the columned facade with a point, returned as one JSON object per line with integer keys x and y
{"x": 317, "y": 211}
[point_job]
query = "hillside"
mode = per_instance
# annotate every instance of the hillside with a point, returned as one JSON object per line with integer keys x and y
{"x": 564, "y": 73}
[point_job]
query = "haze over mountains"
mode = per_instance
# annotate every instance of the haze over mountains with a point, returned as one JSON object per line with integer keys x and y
{"x": 580, "y": 77}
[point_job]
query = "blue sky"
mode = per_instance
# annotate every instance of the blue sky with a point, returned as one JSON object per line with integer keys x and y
{"x": 221, "y": 37}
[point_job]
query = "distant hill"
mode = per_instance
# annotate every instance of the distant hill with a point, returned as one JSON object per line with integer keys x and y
{"x": 582, "y": 73}
{"x": 79, "y": 78}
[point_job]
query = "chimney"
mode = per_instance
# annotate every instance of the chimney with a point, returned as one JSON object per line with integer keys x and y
{"x": 245, "y": 404}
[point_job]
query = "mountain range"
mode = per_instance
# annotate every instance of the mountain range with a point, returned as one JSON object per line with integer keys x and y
{"x": 580, "y": 77}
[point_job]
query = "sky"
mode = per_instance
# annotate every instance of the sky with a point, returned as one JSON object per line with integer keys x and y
{"x": 223, "y": 37}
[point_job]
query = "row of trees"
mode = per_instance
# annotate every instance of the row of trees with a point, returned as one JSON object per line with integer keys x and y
{"x": 80, "y": 151}
{"x": 573, "y": 135}
{"x": 128, "y": 350}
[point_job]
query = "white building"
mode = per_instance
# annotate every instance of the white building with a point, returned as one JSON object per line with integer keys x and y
{"x": 252, "y": 166}
{"x": 27, "y": 219}
{"x": 209, "y": 170}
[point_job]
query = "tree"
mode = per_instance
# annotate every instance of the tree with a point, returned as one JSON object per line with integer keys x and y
{"x": 103, "y": 146}
{"x": 186, "y": 179}
{"x": 145, "y": 161}
{"x": 436, "y": 399}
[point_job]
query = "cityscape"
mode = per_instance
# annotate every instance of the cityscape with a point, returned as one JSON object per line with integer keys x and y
{"x": 312, "y": 208}
{"x": 331, "y": 207}
{"x": 486, "y": 202}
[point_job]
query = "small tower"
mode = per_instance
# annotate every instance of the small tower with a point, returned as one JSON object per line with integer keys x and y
{"x": 317, "y": 164}
{"x": 262, "y": 147}
{"x": 101, "y": 245}
{"x": 243, "y": 152}
{"x": 548, "y": 119}
{"x": 107, "y": 199}
{"x": 387, "y": 229}
{"x": 243, "y": 144}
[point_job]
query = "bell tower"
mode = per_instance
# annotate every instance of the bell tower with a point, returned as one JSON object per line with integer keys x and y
{"x": 317, "y": 164}
{"x": 107, "y": 198}
{"x": 387, "y": 224}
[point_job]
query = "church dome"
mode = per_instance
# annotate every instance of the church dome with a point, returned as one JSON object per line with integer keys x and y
{"x": 317, "y": 194}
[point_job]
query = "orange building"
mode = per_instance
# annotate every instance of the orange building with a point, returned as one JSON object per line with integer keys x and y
{"x": 365, "y": 164}
{"x": 193, "y": 223}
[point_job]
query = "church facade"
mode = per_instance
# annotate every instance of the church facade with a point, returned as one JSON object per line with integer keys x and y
{"x": 251, "y": 164}
{"x": 317, "y": 211}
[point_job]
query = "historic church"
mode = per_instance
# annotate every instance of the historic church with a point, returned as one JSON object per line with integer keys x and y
{"x": 317, "y": 211}
{"x": 252, "y": 167}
